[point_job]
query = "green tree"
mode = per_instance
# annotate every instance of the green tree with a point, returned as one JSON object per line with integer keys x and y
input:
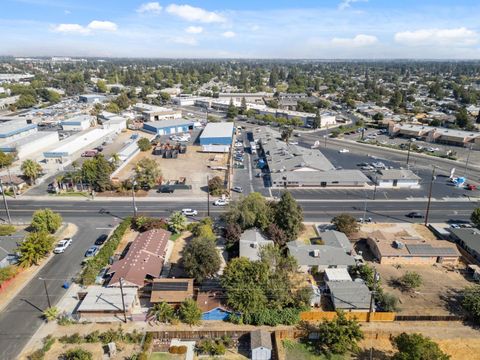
{"x": 243, "y": 106}
{"x": 317, "y": 121}
{"x": 122, "y": 101}
{"x": 177, "y": 222}
{"x": 288, "y": 216}
{"x": 46, "y": 220}
{"x": 232, "y": 110}
{"x": 378, "y": 117}
{"x": 113, "y": 108}
{"x": 471, "y": 301}
{"x": 286, "y": 134}
{"x": 51, "y": 313}
{"x": 338, "y": 336}
{"x": 417, "y": 347}
{"x": 31, "y": 170}
{"x": 410, "y": 280}
{"x": 346, "y": 224}
{"x": 251, "y": 211}
{"x": 77, "y": 354}
{"x": 162, "y": 312}
{"x": 216, "y": 186}
{"x": 101, "y": 86}
{"x": 35, "y": 247}
{"x": 144, "y": 144}
{"x": 189, "y": 312}
{"x": 277, "y": 235}
{"x": 96, "y": 172}
{"x": 26, "y": 101}
{"x": 201, "y": 259}
{"x": 461, "y": 119}
{"x": 147, "y": 172}
{"x": 475, "y": 217}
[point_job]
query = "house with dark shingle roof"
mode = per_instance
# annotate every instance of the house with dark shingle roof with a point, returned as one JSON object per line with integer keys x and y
{"x": 251, "y": 242}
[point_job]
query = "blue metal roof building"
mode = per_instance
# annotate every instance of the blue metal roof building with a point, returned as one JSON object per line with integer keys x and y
{"x": 11, "y": 128}
{"x": 217, "y": 134}
{"x": 168, "y": 127}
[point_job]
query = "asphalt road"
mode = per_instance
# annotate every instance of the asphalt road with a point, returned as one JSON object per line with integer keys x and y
{"x": 23, "y": 316}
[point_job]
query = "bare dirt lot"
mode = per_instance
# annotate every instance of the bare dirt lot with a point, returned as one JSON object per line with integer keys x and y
{"x": 438, "y": 294}
{"x": 194, "y": 165}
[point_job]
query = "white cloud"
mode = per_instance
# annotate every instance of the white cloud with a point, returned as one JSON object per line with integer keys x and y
{"x": 102, "y": 25}
{"x": 194, "y": 29}
{"x": 357, "y": 41}
{"x": 459, "y": 36}
{"x": 229, "y": 34}
{"x": 70, "y": 28}
{"x": 150, "y": 7}
{"x": 345, "y": 4}
{"x": 95, "y": 25}
{"x": 191, "y": 13}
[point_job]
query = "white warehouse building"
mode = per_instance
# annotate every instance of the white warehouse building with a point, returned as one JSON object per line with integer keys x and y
{"x": 78, "y": 123}
{"x": 15, "y": 129}
{"x": 30, "y": 144}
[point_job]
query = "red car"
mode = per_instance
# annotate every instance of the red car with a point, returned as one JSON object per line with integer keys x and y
{"x": 471, "y": 187}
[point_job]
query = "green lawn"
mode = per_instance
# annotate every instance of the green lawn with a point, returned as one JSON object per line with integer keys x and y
{"x": 72, "y": 193}
{"x": 299, "y": 351}
{"x": 175, "y": 236}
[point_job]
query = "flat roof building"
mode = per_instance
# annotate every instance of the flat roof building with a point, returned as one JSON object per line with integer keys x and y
{"x": 157, "y": 113}
{"x": 217, "y": 134}
{"x": 78, "y": 123}
{"x": 92, "y": 98}
{"x": 397, "y": 179}
{"x": 14, "y": 129}
{"x": 168, "y": 127}
{"x": 30, "y": 144}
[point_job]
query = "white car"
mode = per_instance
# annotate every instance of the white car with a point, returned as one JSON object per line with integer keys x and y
{"x": 62, "y": 245}
{"x": 221, "y": 202}
{"x": 293, "y": 142}
{"x": 189, "y": 212}
{"x": 343, "y": 151}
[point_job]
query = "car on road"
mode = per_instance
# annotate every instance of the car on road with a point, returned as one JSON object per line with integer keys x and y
{"x": 362, "y": 164}
{"x": 414, "y": 215}
{"x": 237, "y": 189}
{"x": 165, "y": 190}
{"x": 189, "y": 212}
{"x": 62, "y": 246}
{"x": 368, "y": 168}
{"x": 92, "y": 251}
{"x": 471, "y": 187}
{"x": 221, "y": 202}
{"x": 101, "y": 239}
{"x": 454, "y": 226}
{"x": 293, "y": 142}
{"x": 343, "y": 151}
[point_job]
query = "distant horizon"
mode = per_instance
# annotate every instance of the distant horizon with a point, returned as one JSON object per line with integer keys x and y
{"x": 214, "y": 29}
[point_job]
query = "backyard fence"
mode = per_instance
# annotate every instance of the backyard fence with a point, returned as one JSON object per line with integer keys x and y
{"x": 361, "y": 316}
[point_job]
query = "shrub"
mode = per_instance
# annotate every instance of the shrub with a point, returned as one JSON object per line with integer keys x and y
{"x": 7, "y": 273}
{"x": 48, "y": 341}
{"x": 46, "y": 220}
{"x": 144, "y": 144}
{"x": 216, "y": 186}
{"x": 6, "y": 230}
{"x": 93, "y": 337}
{"x": 147, "y": 342}
{"x": 37, "y": 355}
{"x": 78, "y": 354}
{"x": 410, "y": 281}
{"x": 75, "y": 338}
{"x": 102, "y": 258}
{"x": 182, "y": 349}
{"x": 51, "y": 313}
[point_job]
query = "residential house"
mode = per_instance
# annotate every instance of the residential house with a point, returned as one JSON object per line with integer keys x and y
{"x": 171, "y": 291}
{"x": 143, "y": 261}
{"x": 251, "y": 243}
{"x": 469, "y": 240}
{"x": 349, "y": 295}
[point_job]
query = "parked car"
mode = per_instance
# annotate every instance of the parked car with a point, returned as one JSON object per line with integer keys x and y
{"x": 92, "y": 251}
{"x": 362, "y": 164}
{"x": 343, "y": 151}
{"x": 90, "y": 153}
{"x": 471, "y": 187}
{"x": 221, "y": 202}
{"x": 165, "y": 190}
{"x": 101, "y": 239}
{"x": 368, "y": 167}
{"x": 189, "y": 212}
{"x": 99, "y": 148}
{"x": 62, "y": 246}
{"x": 238, "y": 189}
{"x": 414, "y": 215}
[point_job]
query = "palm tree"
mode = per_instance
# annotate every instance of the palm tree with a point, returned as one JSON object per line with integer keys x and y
{"x": 29, "y": 254}
{"x": 162, "y": 312}
{"x": 6, "y": 160}
{"x": 115, "y": 158}
{"x": 31, "y": 170}
{"x": 51, "y": 313}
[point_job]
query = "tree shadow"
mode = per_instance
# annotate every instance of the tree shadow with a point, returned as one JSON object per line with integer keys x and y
{"x": 376, "y": 354}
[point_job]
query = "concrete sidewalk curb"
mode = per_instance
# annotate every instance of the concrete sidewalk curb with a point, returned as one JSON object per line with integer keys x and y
{"x": 37, "y": 270}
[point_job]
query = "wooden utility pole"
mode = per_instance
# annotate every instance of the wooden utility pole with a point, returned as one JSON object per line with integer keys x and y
{"x": 427, "y": 213}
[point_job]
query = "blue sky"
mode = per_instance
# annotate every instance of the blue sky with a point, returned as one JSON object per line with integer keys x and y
{"x": 329, "y": 29}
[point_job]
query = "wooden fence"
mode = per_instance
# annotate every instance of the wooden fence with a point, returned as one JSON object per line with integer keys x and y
{"x": 361, "y": 316}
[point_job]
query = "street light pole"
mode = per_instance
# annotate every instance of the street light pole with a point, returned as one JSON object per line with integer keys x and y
{"x": 466, "y": 162}
{"x": 123, "y": 301}
{"x": 208, "y": 195}
{"x": 375, "y": 187}
{"x": 46, "y": 291}
{"x": 5, "y": 202}
{"x": 133, "y": 199}
{"x": 429, "y": 196}
{"x": 409, "y": 147}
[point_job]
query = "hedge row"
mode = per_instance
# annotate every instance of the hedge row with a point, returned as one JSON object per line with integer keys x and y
{"x": 93, "y": 266}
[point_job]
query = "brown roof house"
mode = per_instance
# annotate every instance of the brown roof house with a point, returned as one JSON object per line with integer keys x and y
{"x": 172, "y": 291}
{"x": 144, "y": 259}
{"x": 403, "y": 248}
